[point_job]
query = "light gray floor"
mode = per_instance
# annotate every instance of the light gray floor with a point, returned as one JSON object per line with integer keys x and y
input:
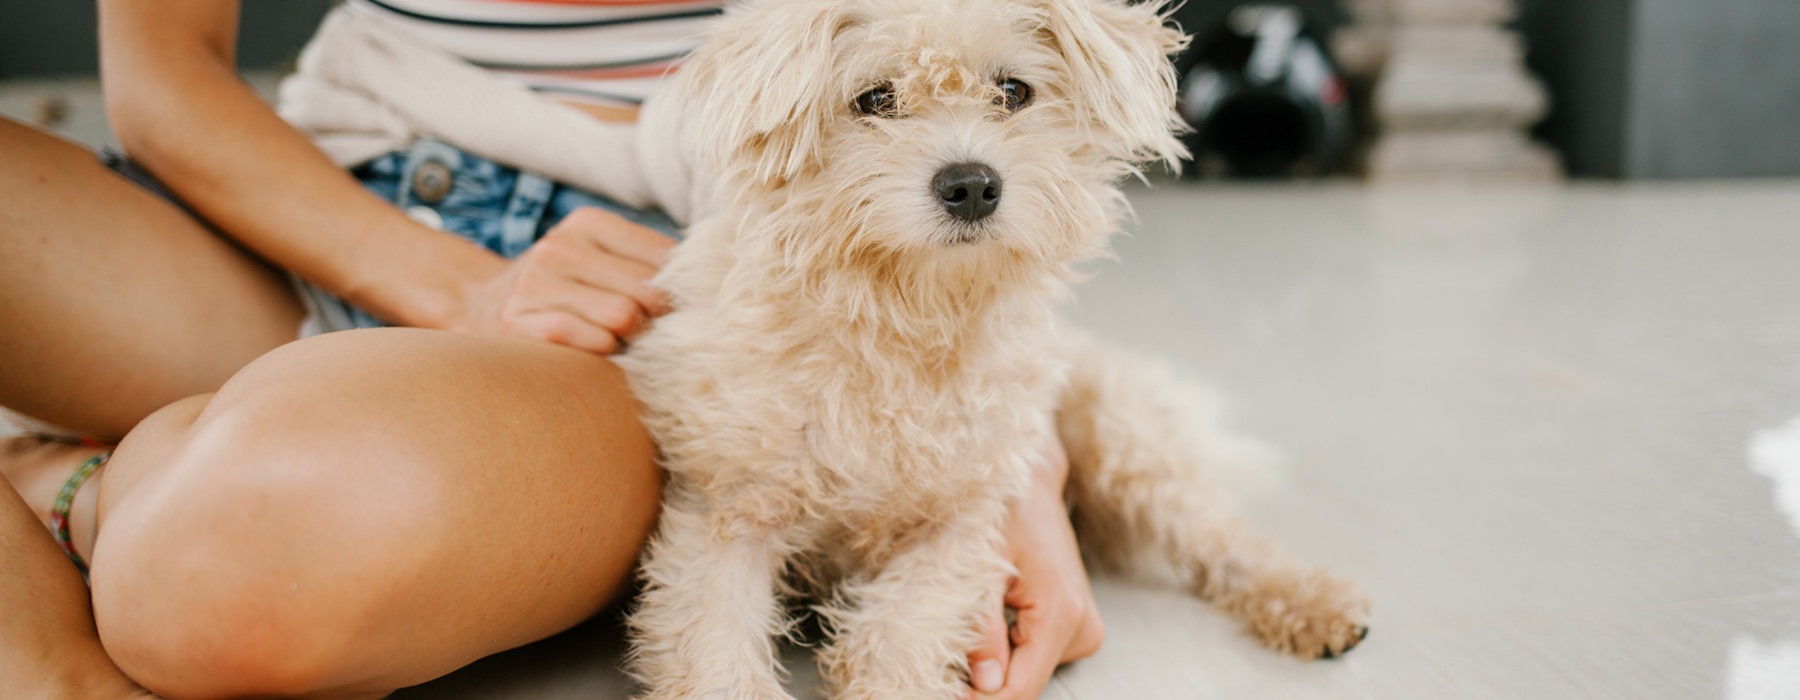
{"x": 1555, "y": 432}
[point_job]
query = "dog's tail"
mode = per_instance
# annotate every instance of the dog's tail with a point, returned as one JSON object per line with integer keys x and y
{"x": 1144, "y": 445}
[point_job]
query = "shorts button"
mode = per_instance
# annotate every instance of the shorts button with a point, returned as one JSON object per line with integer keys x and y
{"x": 427, "y": 216}
{"x": 431, "y": 181}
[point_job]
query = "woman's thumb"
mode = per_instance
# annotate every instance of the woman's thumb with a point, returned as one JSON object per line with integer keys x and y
{"x": 987, "y": 664}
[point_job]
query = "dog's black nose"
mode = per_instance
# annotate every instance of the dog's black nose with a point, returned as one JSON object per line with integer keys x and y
{"x": 969, "y": 191}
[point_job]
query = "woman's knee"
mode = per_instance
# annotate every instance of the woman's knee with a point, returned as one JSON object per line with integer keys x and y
{"x": 255, "y": 556}
{"x": 381, "y": 522}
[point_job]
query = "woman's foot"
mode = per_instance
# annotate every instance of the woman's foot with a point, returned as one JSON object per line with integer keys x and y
{"x": 38, "y": 467}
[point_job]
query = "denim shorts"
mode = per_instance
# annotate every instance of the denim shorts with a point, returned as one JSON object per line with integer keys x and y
{"x": 488, "y": 204}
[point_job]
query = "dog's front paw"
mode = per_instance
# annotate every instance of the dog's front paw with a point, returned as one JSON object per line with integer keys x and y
{"x": 1315, "y": 616}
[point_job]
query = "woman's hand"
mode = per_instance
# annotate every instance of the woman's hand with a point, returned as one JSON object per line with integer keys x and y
{"x": 169, "y": 82}
{"x": 585, "y": 284}
{"x": 1056, "y": 620}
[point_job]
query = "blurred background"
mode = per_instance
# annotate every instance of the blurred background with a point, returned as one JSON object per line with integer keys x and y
{"x": 1378, "y": 89}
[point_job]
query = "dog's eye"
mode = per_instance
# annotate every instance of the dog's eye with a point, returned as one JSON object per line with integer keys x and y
{"x": 1014, "y": 94}
{"x": 878, "y": 101}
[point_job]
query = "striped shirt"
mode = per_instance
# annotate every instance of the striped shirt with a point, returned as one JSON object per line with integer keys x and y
{"x": 604, "y": 52}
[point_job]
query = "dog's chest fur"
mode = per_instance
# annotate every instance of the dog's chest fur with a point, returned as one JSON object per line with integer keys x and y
{"x": 779, "y": 413}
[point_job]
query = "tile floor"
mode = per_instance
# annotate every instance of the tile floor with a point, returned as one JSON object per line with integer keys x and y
{"x": 1555, "y": 432}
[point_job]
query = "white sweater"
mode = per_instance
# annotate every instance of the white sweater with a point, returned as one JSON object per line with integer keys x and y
{"x": 364, "y": 87}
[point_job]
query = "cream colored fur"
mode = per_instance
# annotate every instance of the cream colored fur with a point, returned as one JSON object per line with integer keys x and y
{"x": 853, "y": 386}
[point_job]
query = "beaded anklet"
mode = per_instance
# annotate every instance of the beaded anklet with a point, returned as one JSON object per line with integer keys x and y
{"x": 65, "y": 498}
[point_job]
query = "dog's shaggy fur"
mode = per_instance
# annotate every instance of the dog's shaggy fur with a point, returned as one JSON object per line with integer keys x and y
{"x": 854, "y": 385}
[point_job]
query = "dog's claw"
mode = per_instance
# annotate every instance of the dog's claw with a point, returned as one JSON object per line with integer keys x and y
{"x": 1362, "y": 633}
{"x": 1317, "y": 617}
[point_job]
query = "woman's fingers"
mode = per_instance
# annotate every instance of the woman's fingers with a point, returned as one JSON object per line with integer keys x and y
{"x": 611, "y": 273}
{"x": 605, "y": 251}
{"x": 619, "y": 236}
{"x": 1036, "y": 651}
{"x": 554, "y": 278}
{"x": 987, "y": 665}
{"x": 585, "y": 284}
{"x": 564, "y": 328}
{"x": 1051, "y": 629}
{"x": 617, "y": 315}
{"x": 1057, "y": 620}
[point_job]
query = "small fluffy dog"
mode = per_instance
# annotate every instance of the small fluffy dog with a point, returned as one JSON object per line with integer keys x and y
{"x": 864, "y": 361}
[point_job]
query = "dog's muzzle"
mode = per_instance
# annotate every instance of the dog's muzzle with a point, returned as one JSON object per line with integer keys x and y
{"x": 969, "y": 191}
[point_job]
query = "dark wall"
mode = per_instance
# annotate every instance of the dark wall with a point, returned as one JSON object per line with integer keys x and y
{"x": 1581, "y": 50}
{"x": 1656, "y": 89}
{"x": 1715, "y": 90}
{"x": 57, "y": 37}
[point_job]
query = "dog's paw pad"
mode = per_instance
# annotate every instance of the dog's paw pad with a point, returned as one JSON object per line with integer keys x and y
{"x": 1318, "y": 616}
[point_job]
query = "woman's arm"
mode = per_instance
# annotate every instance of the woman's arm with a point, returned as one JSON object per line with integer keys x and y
{"x": 179, "y": 108}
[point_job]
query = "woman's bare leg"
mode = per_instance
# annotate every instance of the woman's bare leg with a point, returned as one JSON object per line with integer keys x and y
{"x": 368, "y": 510}
{"x": 114, "y": 302}
{"x": 48, "y": 647}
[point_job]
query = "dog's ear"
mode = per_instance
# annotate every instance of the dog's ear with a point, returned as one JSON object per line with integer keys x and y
{"x": 1121, "y": 80}
{"x": 759, "y": 88}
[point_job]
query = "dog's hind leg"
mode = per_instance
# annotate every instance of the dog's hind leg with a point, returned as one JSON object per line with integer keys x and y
{"x": 705, "y": 624}
{"x": 906, "y": 631}
{"x": 1143, "y": 459}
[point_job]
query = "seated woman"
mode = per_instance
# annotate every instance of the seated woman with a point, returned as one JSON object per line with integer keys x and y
{"x": 345, "y": 514}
